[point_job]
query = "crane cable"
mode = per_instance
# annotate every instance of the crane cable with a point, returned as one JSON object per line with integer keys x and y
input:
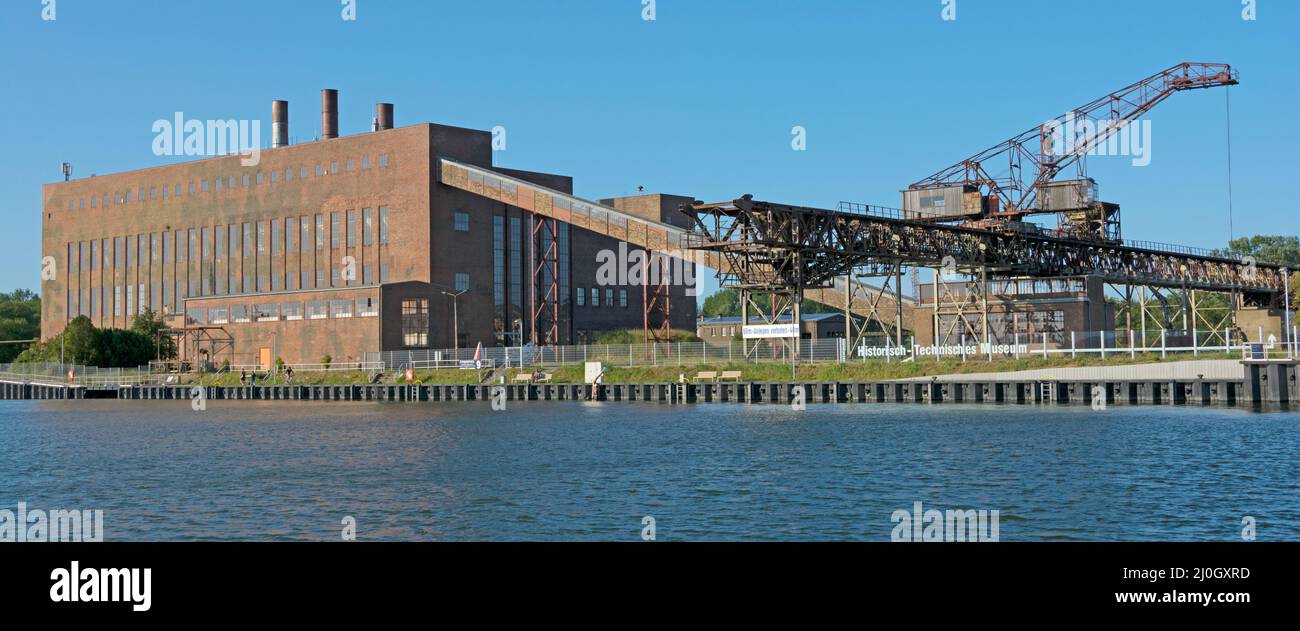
{"x": 1227, "y": 94}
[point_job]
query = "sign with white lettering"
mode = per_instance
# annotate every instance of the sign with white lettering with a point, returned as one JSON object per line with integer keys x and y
{"x": 769, "y": 331}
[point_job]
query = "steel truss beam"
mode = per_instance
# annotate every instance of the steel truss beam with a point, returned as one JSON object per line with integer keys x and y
{"x": 860, "y": 297}
{"x": 656, "y": 280}
{"x": 771, "y": 246}
{"x": 781, "y": 304}
{"x": 545, "y": 288}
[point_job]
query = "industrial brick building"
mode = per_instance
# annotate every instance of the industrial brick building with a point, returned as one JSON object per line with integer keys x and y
{"x": 338, "y": 247}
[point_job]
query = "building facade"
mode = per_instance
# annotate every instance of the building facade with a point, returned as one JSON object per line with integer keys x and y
{"x": 337, "y": 247}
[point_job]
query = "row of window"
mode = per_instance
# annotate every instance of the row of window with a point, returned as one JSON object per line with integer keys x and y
{"x": 232, "y": 259}
{"x": 246, "y": 180}
{"x": 720, "y": 331}
{"x": 595, "y": 297}
{"x": 274, "y": 312}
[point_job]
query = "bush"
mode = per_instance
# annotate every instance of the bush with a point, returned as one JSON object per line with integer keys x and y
{"x": 325, "y": 360}
{"x": 637, "y": 336}
{"x": 82, "y": 343}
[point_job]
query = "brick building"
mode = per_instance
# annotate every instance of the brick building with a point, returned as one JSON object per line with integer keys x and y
{"x": 337, "y": 247}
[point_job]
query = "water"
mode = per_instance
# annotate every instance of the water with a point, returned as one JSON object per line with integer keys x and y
{"x": 569, "y": 470}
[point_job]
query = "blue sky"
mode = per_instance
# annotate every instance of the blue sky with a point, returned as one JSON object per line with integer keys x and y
{"x": 700, "y": 101}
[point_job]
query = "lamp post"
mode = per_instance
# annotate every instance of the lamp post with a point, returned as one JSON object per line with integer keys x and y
{"x": 455, "y": 319}
{"x": 1286, "y": 313}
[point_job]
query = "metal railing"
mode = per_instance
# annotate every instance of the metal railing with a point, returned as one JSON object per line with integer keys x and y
{"x": 875, "y": 347}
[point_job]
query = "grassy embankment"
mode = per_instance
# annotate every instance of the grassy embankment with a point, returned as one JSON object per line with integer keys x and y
{"x": 774, "y": 372}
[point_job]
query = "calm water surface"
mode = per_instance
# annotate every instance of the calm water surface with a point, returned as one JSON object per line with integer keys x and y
{"x": 293, "y": 470}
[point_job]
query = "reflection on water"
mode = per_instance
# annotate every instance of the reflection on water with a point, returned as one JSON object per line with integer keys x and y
{"x": 457, "y": 471}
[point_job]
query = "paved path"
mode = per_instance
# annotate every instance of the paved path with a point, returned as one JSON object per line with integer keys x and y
{"x": 1210, "y": 368}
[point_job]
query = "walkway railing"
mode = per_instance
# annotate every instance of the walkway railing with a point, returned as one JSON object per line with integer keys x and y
{"x": 1055, "y": 344}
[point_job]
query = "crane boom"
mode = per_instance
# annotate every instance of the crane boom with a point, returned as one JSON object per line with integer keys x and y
{"x": 1036, "y": 157}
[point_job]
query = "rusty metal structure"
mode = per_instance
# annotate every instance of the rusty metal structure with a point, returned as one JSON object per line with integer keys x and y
{"x": 545, "y": 286}
{"x": 1013, "y": 175}
{"x": 967, "y": 220}
{"x": 655, "y": 294}
{"x": 662, "y": 242}
{"x": 782, "y": 251}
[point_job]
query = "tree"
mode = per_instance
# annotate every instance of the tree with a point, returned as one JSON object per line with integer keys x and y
{"x": 149, "y": 323}
{"x": 1279, "y": 250}
{"x": 80, "y": 342}
{"x": 726, "y": 303}
{"x": 20, "y": 319}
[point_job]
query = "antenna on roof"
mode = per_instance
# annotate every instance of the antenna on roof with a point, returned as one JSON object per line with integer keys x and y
{"x": 67, "y": 171}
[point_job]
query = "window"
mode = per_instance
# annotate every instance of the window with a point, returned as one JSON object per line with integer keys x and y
{"x": 320, "y": 170}
{"x": 291, "y": 310}
{"x": 341, "y": 308}
{"x": 622, "y": 297}
{"x": 462, "y": 281}
{"x": 220, "y": 315}
{"x": 595, "y": 297}
{"x": 609, "y": 297}
{"x": 383, "y": 224}
{"x": 196, "y": 315}
{"x": 352, "y": 164}
{"x": 266, "y": 312}
{"x": 415, "y": 322}
{"x": 245, "y": 181}
{"x": 351, "y": 228}
{"x": 317, "y": 309}
{"x": 239, "y": 313}
{"x": 367, "y": 228}
{"x": 302, "y": 173}
{"x": 582, "y": 296}
{"x": 461, "y": 222}
{"x": 383, "y": 161}
{"x": 498, "y": 262}
{"x": 365, "y": 163}
{"x": 334, "y": 230}
{"x": 367, "y": 307}
{"x": 258, "y": 180}
{"x": 334, "y": 168}
{"x": 205, "y": 186}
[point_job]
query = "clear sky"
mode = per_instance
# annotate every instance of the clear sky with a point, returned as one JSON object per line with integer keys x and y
{"x": 700, "y": 101}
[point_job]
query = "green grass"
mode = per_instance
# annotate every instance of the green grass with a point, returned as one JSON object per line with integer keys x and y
{"x": 874, "y": 370}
